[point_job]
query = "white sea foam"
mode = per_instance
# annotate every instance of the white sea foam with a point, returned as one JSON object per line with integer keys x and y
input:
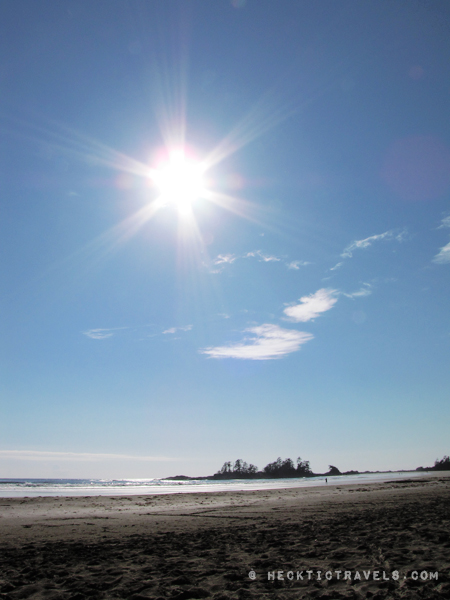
{"x": 10, "y": 488}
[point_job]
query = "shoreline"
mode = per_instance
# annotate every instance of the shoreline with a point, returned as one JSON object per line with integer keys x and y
{"x": 204, "y": 545}
{"x": 61, "y": 487}
{"x": 32, "y": 517}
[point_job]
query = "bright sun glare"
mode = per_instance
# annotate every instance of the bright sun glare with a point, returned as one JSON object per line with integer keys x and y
{"x": 180, "y": 181}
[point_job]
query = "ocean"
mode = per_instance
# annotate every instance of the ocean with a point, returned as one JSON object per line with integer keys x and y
{"x": 20, "y": 488}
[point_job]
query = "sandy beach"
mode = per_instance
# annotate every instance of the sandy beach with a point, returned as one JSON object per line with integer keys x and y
{"x": 383, "y": 540}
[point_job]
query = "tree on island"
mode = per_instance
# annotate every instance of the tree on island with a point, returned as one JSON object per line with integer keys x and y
{"x": 286, "y": 468}
{"x": 442, "y": 465}
{"x": 240, "y": 469}
{"x": 439, "y": 465}
{"x": 333, "y": 471}
{"x": 279, "y": 468}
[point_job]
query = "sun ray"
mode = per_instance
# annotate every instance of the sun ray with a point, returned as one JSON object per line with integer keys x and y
{"x": 259, "y": 120}
{"x": 199, "y": 294}
{"x": 102, "y": 247}
{"x": 180, "y": 180}
{"x": 245, "y": 209}
{"x": 84, "y": 148}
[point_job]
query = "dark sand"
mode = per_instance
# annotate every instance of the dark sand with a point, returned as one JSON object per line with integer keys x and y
{"x": 183, "y": 546}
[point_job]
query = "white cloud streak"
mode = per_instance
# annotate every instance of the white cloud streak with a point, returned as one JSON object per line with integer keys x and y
{"x": 175, "y": 329}
{"x": 267, "y": 342}
{"x": 445, "y": 223}
{"x": 263, "y": 257}
{"x": 312, "y": 306}
{"x": 336, "y": 266}
{"x": 224, "y": 259}
{"x": 38, "y": 455}
{"x": 228, "y": 259}
{"x": 101, "y": 334}
{"x": 296, "y": 264}
{"x": 361, "y": 293}
{"x": 443, "y": 256}
{"x": 361, "y": 244}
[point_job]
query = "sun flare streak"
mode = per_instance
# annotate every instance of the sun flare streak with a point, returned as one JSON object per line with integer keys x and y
{"x": 178, "y": 178}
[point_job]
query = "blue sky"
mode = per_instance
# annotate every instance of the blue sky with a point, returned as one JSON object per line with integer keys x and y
{"x": 295, "y": 303}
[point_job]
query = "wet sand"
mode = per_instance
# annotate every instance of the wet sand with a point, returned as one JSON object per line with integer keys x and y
{"x": 205, "y": 545}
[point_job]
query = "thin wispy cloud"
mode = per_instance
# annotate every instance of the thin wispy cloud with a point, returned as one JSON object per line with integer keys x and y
{"x": 101, "y": 334}
{"x": 361, "y": 244}
{"x": 443, "y": 256}
{"x": 176, "y": 329}
{"x": 361, "y": 293}
{"x": 224, "y": 259}
{"x": 268, "y": 258}
{"x": 312, "y": 306}
{"x": 337, "y": 266}
{"x": 261, "y": 256}
{"x": 39, "y": 455}
{"x": 445, "y": 223}
{"x": 265, "y": 342}
{"x": 296, "y": 264}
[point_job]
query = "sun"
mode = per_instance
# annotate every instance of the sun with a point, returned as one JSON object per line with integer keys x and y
{"x": 180, "y": 181}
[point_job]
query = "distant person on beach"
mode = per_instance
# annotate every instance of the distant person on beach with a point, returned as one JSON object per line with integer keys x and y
{"x": 326, "y": 480}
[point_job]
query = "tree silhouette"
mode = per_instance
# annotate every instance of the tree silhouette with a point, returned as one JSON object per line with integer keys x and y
{"x": 443, "y": 464}
{"x": 279, "y": 468}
